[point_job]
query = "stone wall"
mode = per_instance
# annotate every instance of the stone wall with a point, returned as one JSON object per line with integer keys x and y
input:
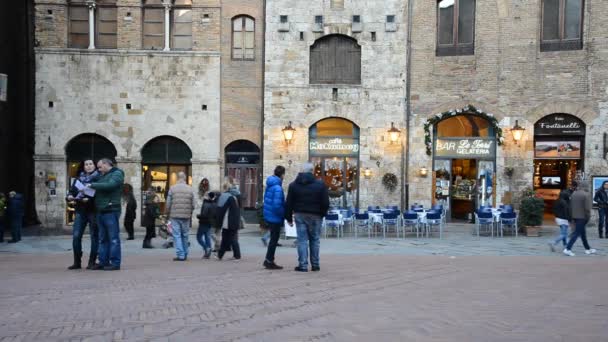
{"x": 373, "y": 105}
{"x": 90, "y": 91}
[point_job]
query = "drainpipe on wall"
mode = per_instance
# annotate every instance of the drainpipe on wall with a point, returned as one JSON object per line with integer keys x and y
{"x": 408, "y": 107}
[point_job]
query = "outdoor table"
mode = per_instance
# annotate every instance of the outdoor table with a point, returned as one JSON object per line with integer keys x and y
{"x": 375, "y": 217}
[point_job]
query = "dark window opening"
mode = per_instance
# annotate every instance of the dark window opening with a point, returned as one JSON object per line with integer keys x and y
{"x": 455, "y": 27}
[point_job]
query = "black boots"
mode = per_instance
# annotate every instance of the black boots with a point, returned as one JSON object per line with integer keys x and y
{"x": 76, "y": 265}
{"x": 147, "y": 244}
{"x": 92, "y": 259}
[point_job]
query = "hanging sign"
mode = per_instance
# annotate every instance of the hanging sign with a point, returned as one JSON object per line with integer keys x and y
{"x": 559, "y": 124}
{"x": 465, "y": 148}
{"x": 334, "y": 146}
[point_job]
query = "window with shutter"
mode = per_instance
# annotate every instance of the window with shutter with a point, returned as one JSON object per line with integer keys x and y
{"x": 105, "y": 26}
{"x": 243, "y": 38}
{"x": 455, "y": 27}
{"x": 181, "y": 29}
{"x": 79, "y": 26}
{"x": 153, "y": 25}
{"x": 562, "y": 25}
{"x": 335, "y": 59}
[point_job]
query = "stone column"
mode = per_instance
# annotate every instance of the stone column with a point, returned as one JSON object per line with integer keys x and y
{"x": 91, "y": 4}
{"x": 167, "y": 5}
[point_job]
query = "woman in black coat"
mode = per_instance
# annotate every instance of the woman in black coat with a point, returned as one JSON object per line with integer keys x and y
{"x": 130, "y": 211}
{"x": 151, "y": 212}
{"x": 229, "y": 214}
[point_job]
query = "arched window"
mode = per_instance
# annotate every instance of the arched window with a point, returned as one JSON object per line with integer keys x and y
{"x": 166, "y": 150}
{"x": 464, "y": 126}
{"x": 335, "y": 59}
{"x": 455, "y": 27}
{"x": 242, "y": 164}
{"x": 89, "y": 146}
{"x": 243, "y": 38}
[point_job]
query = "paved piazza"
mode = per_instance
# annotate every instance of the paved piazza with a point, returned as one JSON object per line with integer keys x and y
{"x": 458, "y": 289}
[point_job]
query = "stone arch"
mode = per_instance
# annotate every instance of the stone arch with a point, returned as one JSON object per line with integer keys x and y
{"x": 444, "y": 107}
{"x": 583, "y": 111}
{"x": 89, "y": 145}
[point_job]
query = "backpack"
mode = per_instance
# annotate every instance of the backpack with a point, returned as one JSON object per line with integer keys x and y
{"x": 209, "y": 212}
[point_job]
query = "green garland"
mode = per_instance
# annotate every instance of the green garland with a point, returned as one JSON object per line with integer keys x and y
{"x": 470, "y": 110}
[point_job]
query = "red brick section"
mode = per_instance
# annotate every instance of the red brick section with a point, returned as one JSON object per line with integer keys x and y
{"x": 353, "y": 298}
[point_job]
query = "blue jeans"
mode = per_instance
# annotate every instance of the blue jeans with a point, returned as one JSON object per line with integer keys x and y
{"x": 80, "y": 223}
{"x": 580, "y": 231}
{"x": 203, "y": 236}
{"x": 308, "y": 228}
{"x": 266, "y": 236}
{"x": 109, "y": 238}
{"x": 602, "y": 223}
{"x": 16, "y": 224}
{"x": 563, "y": 235}
{"x": 181, "y": 228}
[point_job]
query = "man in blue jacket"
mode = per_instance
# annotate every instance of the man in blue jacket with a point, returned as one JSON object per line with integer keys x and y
{"x": 274, "y": 213}
{"x": 15, "y": 213}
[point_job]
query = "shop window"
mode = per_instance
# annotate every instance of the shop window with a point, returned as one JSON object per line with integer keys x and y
{"x": 79, "y": 25}
{"x": 153, "y": 25}
{"x": 464, "y": 126}
{"x": 105, "y": 25}
{"x": 455, "y": 27}
{"x": 243, "y": 38}
{"x": 335, "y": 59}
{"x": 562, "y": 25}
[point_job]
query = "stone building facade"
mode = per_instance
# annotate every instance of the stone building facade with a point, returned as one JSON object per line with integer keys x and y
{"x": 507, "y": 71}
{"x": 158, "y": 110}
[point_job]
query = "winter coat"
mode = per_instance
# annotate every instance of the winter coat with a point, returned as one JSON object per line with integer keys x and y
{"x": 580, "y": 205}
{"x": 131, "y": 208}
{"x": 108, "y": 191}
{"x": 208, "y": 214}
{"x": 561, "y": 207}
{"x": 601, "y": 197}
{"x": 87, "y": 205}
{"x": 180, "y": 201}
{"x": 306, "y": 195}
{"x": 228, "y": 203}
{"x": 15, "y": 207}
{"x": 151, "y": 212}
{"x": 274, "y": 200}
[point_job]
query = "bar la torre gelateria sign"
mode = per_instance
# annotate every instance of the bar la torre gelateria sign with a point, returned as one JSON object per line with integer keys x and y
{"x": 334, "y": 146}
{"x": 465, "y": 148}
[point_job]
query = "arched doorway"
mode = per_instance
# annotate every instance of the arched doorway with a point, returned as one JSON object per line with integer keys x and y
{"x": 79, "y": 148}
{"x": 243, "y": 164}
{"x": 162, "y": 158}
{"x": 559, "y": 153}
{"x": 464, "y": 163}
{"x": 334, "y": 151}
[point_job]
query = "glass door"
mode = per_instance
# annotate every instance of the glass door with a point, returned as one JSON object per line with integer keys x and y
{"x": 341, "y": 176}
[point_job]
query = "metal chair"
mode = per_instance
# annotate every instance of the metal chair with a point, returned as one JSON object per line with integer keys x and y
{"x": 348, "y": 218}
{"x": 508, "y": 219}
{"x": 410, "y": 219}
{"x": 486, "y": 219}
{"x": 390, "y": 220}
{"x": 333, "y": 221}
{"x": 362, "y": 221}
{"x": 433, "y": 218}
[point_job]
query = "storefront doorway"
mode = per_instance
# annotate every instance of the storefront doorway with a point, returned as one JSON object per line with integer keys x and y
{"x": 81, "y": 147}
{"x": 559, "y": 149}
{"x": 334, "y": 152}
{"x": 243, "y": 165}
{"x": 464, "y": 164}
{"x": 162, "y": 159}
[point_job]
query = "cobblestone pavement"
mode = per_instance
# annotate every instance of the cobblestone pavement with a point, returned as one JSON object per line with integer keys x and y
{"x": 375, "y": 294}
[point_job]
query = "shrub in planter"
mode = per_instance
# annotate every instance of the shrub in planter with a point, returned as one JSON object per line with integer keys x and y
{"x": 531, "y": 210}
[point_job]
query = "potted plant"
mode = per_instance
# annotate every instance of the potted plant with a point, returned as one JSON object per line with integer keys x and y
{"x": 531, "y": 211}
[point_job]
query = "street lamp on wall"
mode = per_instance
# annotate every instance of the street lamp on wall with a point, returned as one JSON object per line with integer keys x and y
{"x": 367, "y": 173}
{"x": 517, "y": 132}
{"x": 424, "y": 172}
{"x": 394, "y": 133}
{"x": 288, "y": 132}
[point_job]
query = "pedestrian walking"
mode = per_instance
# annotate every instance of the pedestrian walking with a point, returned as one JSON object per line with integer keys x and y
{"x": 180, "y": 205}
{"x": 274, "y": 214}
{"x": 307, "y": 203}
{"x": 108, "y": 191}
{"x": 130, "y": 210}
{"x": 84, "y": 210}
{"x": 3, "y": 203}
{"x": 151, "y": 213}
{"x": 580, "y": 207}
{"x": 561, "y": 209}
{"x": 229, "y": 214}
{"x": 206, "y": 221}
{"x": 601, "y": 198}
{"x": 15, "y": 211}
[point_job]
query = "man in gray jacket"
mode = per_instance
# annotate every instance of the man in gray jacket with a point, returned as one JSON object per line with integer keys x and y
{"x": 180, "y": 205}
{"x": 580, "y": 205}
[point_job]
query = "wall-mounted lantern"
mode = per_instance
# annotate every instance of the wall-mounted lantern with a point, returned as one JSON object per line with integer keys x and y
{"x": 288, "y": 132}
{"x": 394, "y": 133}
{"x": 367, "y": 173}
{"x": 517, "y": 132}
{"x": 423, "y": 172}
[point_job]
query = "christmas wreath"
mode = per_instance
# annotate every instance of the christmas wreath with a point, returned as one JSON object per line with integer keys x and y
{"x": 390, "y": 181}
{"x": 470, "y": 110}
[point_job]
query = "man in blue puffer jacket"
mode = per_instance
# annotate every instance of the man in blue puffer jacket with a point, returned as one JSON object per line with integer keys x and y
{"x": 274, "y": 213}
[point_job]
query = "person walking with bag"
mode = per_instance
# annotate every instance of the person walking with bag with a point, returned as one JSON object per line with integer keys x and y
{"x": 229, "y": 214}
{"x": 580, "y": 206}
{"x": 207, "y": 220}
{"x": 180, "y": 205}
{"x": 274, "y": 214}
{"x": 84, "y": 214}
{"x": 151, "y": 213}
{"x": 561, "y": 209}
{"x": 601, "y": 198}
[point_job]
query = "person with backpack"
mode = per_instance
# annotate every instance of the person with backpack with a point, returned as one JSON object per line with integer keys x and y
{"x": 151, "y": 213}
{"x": 206, "y": 220}
{"x": 229, "y": 214}
{"x": 561, "y": 209}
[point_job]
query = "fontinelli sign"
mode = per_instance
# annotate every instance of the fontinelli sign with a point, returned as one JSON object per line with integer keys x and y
{"x": 334, "y": 146}
{"x": 465, "y": 148}
{"x": 559, "y": 124}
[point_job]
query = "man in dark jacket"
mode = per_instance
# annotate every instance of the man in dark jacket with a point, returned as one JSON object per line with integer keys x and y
{"x": 307, "y": 202}
{"x": 15, "y": 214}
{"x": 274, "y": 213}
{"x": 601, "y": 198}
{"x": 108, "y": 192}
{"x": 229, "y": 217}
{"x": 580, "y": 208}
